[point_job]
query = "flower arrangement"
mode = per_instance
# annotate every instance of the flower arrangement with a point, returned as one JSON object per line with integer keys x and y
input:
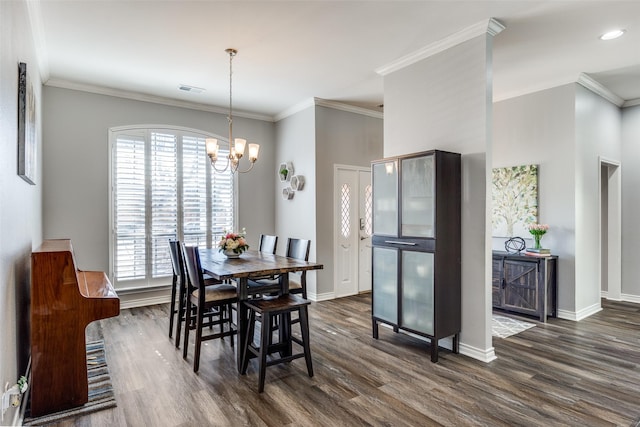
{"x": 233, "y": 242}
{"x": 538, "y": 230}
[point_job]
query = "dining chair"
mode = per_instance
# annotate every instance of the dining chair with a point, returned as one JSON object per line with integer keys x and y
{"x": 268, "y": 243}
{"x": 177, "y": 309}
{"x": 206, "y": 300}
{"x": 298, "y": 249}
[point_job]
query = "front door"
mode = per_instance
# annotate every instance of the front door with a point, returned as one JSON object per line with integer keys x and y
{"x": 352, "y": 230}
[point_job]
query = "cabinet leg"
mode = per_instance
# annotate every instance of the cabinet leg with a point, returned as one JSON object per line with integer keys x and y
{"x": 434, "y": 350}
{"x": 456, "y": 343}
{"x": 375, "y": 328}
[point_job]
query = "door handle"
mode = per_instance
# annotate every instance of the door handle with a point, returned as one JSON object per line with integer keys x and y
{"x": 395, "y": 242}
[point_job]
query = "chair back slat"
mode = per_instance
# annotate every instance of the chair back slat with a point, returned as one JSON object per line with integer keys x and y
{"x": 194, "y": 269}
{"x": 268, "y": 243}
{"x": 176, "y": 260}
{"x": 298, "y": 248}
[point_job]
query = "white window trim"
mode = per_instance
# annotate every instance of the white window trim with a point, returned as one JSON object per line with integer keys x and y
{"x": 112, "y": 132}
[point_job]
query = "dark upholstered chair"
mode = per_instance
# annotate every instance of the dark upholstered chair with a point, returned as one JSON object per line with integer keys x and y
{"x": 206, "y": 300}
{"x": 177, "y": 307}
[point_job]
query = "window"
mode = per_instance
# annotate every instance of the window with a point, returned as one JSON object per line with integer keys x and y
{"x": 162, "y": 188}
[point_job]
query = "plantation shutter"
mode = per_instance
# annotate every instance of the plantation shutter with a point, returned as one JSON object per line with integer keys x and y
{"x": 129, "y": 205}
{"x": 163, "y": 188}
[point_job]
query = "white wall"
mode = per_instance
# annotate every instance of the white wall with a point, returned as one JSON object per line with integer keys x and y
{"x": 20, "y": 203}
{"x": 598, "y": 133}
{"x": 539, "y": 129}
{"x": 444, "y": 102}
{"x": 630, "y": 202}
{"x": 76, "y": 187}
{"x": 341, "y": 138}
{"x": 296, "y": 218}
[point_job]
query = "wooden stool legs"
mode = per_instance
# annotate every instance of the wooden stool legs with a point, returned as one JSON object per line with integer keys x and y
{"x": 269, "y": 309}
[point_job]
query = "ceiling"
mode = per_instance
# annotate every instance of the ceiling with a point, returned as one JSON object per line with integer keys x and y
{"x": 292, "y": 51}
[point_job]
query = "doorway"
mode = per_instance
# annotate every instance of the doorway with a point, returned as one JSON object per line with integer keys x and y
{"x": 352, "y": 229}
{"x": 610, "y": 230}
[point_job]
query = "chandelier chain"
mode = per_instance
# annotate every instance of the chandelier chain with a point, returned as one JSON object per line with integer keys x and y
{"x": 237, "y": 146}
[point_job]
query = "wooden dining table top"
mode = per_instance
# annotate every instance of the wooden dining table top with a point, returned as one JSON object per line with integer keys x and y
{"x": 250, "y": 264}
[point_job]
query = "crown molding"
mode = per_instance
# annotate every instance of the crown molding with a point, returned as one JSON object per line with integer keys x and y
{"x": 631, "y": 103}
{"x": 588, "y": 82}
{"x": 65, "y": 84}
{"x": 319, "y": 102}
{"x": 294, "y": 109}
{"x": 490, "y": 26}
{"x": 347, "y": 107}
{"x": 34, "y": 10}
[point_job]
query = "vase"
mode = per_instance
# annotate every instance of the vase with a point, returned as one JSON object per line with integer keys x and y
{"x": 230, "y": 254}
{"x": 537, "y": 238}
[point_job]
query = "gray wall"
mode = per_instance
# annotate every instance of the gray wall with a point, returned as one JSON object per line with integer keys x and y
{"x": 630, "y": 202}
{"x": 20, "y": 203}
{"x": 566, "y": 130}
{"x": 341, "y": 138}
{"x": 76, "y": 172}
{"x": 444, "y": 102}
{"x": 539, "y": 129}
{"x": 315, "y": 139}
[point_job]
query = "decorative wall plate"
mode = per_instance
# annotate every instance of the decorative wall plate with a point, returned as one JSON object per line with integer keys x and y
{"x": 297, "y": 182}
{"x": 285, "y": 171}
{"x": 287, "y": 193}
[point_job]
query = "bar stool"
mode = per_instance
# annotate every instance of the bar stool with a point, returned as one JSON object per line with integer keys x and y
{"x": 268, "y": 308}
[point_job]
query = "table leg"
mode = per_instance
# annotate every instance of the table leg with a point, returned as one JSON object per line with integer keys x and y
{"x": 243, "y": 322}
{"x": 285, "y": 321}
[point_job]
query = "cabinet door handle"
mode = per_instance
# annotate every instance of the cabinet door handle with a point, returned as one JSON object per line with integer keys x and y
{"x": 395, "y": 242}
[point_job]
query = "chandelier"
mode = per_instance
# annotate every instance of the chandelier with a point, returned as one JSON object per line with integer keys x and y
{"x": 237, "y": 146}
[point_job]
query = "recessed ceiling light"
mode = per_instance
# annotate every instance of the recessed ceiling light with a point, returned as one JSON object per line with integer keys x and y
{"x": 612, "y": 35}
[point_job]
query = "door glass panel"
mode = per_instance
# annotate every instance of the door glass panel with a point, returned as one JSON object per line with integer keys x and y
{"x": 418, "y": 197}
{"x": 417, "y": 291}
{"x": 345, "y": 210}
{"x": 385, "y": 284}
{"x": 368, "y": 211}
{"x": 385, "y": 198}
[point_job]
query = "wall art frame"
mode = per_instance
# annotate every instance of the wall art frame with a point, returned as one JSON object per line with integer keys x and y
{"x": 27, "y": 143}
{"x": 515, "y": 200}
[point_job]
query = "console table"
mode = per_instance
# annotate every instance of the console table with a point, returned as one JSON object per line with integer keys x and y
{"x": 525, "y": 284}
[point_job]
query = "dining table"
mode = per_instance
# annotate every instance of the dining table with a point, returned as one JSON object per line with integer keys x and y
{"x": 251, "y": 265}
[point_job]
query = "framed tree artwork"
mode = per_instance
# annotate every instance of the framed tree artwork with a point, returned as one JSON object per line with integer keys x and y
{"x": 515, "y": 200}
{"x": 26, "y": 127}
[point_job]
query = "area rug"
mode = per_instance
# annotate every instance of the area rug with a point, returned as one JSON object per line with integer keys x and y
{"x": 101, "y": 394}
{"x": 503, "y": 327}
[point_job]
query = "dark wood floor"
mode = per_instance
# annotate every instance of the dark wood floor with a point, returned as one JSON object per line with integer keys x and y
{"x": 561, "y": 373}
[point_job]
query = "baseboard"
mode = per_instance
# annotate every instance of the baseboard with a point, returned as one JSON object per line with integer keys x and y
{"x": 141, "y": 300}
{"x": 576, "y": 316}
{"x": 485, "y": 356}
{"x": 321, "y": 297}
{"x": 631, "y": 298}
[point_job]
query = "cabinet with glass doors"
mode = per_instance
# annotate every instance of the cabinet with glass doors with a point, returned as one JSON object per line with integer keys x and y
{"x": 416, "y": 245}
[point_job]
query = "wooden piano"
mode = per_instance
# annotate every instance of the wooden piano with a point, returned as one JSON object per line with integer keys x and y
{"x": 64, "y": 300}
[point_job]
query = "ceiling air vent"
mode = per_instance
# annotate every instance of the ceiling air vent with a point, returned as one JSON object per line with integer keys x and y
{"x": 188, "y": 88}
